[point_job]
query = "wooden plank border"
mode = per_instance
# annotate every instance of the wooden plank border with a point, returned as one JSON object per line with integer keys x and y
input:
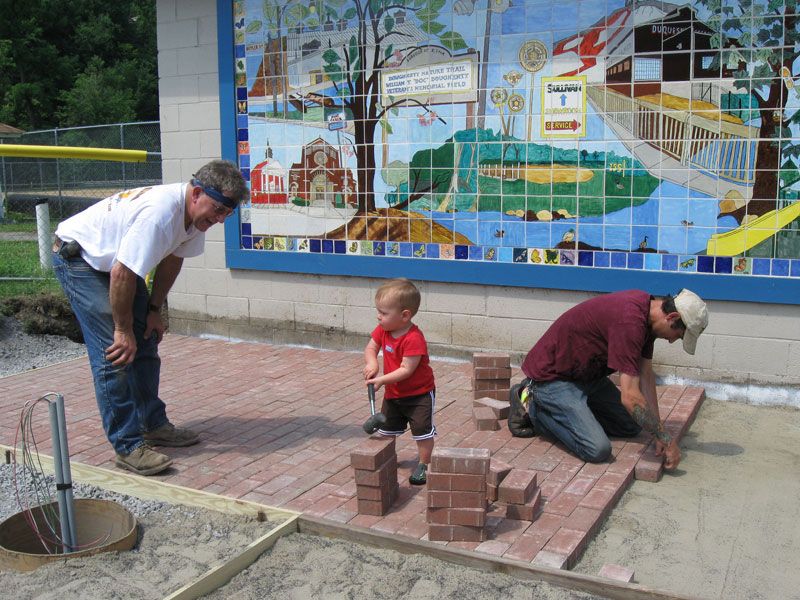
{"x": 522, "y": 570}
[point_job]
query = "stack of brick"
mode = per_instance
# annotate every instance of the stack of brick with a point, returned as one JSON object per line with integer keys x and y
{"x": 519, "y": 492}
{"x": 375, "y": 465}
{"x": 491, "y": 380}
{"x": 457, "y": 494}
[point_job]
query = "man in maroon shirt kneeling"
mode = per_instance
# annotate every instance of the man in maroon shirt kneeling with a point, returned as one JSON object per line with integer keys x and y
{"x": 568, "y": 393}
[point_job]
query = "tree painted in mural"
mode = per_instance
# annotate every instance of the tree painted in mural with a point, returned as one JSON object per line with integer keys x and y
{"x": 763, "y": 38}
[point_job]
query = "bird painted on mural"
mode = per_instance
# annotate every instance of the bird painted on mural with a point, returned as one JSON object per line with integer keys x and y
{"x": 569, "y": 236}
{"x": 498, "y": 233}
{"x": 643, "y": 244}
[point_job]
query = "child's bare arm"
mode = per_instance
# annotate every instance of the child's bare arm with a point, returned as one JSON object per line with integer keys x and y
{"x": 406, "y": 369}
{"x": 371, "y": 359}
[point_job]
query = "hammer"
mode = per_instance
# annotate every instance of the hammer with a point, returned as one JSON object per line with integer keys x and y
{"x": 377, "y": 420}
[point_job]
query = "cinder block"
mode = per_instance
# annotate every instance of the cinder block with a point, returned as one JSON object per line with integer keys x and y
{"x": 485, "y": 420}
{"x": 499, "y": 407}
{"x": 617, "y": 572}
{"x": 497, "y": 472}
{"x": 455, "y": 533}
{"x": 386, "y": 472}
{"x": 472, "y": 461}
{"x": 488, "y": 360}
{"x": 442, "y": 499}
{"x": 484, "y": 373}
{"x": 456, "y": 482}
{"x": 527, "y": 511}
{"x": 372, "y": 453}
{"x": 501, "y": 394}
{"x": 518, "y": 487}
{"x": 470, "y": 517}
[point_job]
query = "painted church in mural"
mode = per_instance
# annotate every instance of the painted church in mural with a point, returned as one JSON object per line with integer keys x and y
{"x": 535, "y": 131}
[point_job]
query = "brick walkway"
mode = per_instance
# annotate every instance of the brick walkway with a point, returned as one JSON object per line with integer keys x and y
{"x": 278, "y": 424}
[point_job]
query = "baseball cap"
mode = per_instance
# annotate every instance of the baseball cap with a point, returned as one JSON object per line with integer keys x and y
{"x": 694, "y": 315}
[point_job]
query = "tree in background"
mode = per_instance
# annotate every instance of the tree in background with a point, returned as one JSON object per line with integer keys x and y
{"x": 82, "y": 62}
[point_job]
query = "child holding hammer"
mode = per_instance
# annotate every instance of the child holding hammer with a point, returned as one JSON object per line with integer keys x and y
{"x": 408, "y": 378}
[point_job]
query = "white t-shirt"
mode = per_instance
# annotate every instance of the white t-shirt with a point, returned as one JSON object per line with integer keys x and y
{"x": 138, "y": 228}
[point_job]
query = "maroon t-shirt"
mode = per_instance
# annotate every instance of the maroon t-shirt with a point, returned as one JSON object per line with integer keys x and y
{"x": 593, "y": 339}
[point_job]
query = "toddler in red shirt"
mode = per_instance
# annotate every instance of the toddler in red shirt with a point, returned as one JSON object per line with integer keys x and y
{"x": 410, "y": 391}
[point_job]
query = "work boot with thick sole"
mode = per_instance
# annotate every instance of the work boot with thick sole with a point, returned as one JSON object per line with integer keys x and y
{"x": 169, "y": 435}
{"x": 143, "y": 461}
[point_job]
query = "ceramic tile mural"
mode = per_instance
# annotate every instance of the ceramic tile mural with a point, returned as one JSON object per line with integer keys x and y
{"x": 632, "y": 134}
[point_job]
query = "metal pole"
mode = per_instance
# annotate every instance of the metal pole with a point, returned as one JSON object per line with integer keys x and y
{"x": 67, "y": 472}
{"x": 60, "y": 492}
{"x": 122, "y": 146}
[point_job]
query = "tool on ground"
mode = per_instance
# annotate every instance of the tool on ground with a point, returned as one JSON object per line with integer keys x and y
{"x": 378, "y": 419}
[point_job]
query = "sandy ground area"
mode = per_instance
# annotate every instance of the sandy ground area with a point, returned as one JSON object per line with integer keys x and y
{"x": 726, "y": 524}
{"x": 304, "y": 567}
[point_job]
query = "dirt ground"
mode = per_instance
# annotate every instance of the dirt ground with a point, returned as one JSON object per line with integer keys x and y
{"x": 726, "y": 524}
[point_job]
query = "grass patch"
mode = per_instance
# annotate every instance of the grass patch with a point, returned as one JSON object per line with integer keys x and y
{"x": 21, "y": 259}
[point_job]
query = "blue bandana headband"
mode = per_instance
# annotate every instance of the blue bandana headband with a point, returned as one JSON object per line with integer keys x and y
{"x": 215, "y": 194}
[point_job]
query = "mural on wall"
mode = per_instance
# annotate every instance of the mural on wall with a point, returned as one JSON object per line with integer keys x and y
{"x": 628, "y": 133}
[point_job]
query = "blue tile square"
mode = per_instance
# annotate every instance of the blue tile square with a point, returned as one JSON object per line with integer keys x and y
{"x": 761, "y": 266}
{"x": 490, "y": 253}
{"x": 242, "y": 135}
{"x": 406, "y": 249}
{"x": 247, "y": 242}
{"x": 245, "y": 174}
{"x": 520, "y": 255}
{"x": 327, "y": 246}
{"x": 378, "y": 248}
{"x": 602, "y": 259}
{"x": 652, "y": 262}
{"x": 585, "y": 259}
{"x": 687, "y": 263}
{"x": 635, "y": 260}
{"x": 242, "y": 121}
{"x": 432, "y": 250}
{"x": 239, "y": 51}
{"x": 315, "y": 245}
{"x": 618, "y": 260}
{"x": 244, "y": 161}
{"x": 241, "y": 93}
{"x": 705, "y": 264}
{"x": 418, "y": 250}
{"x": 506, "y": 254}
{"x": 723, "y": 264}
{"x": 462, "y": 252}
{"x": 247, "y": 228}
{"x": 475, "y": 253}
{"x": 392, "y": 248}
{"x": 340, "y": 247}
{"x": 291, "y": 245}
{"x": 795, "y": 272}
{"x": 669, "y": 262}
{"x": 780, "y": 267}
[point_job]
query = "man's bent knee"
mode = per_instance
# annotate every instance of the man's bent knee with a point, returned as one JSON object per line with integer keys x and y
{"x": 596, "y": 453}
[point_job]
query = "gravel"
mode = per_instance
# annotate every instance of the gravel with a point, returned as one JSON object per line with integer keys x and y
{"x": 20, "y": 351}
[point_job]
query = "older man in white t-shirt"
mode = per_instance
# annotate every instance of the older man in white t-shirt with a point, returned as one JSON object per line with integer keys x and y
{"x": 101, "y": 257}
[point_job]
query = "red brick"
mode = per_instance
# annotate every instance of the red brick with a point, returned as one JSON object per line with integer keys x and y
{"x": 372, "y": 453}
{"x": 499, "y": 394}
{"x": 485, "y": 420}
{"x": 383, "y": 474}
{"x": 547, "y": 524}
{"x": 600, "y": 499}
{"x": 491, "y": 492}
{"x": 568, "y": 543}
{"x": 616, "y": 572}
{"x": 479, "y": 385}
{"x": 527, "y": 511}
{"x": 491, "y": 373}
{"x": 584, "y": 519}
{"x": 517, "y": 487}
{"x": 554, "y": 560}
{"x": 497, "y": 472}
{"x": 489, "y": 360}
{"x": 364, "y": 492}
{"x": 580, "y": 486}
{"x": 648, "y": 470}
{"x": 493, "y": 547}
{"x": 456, "y": 482}
{"x": 375, "y": 508}
{"x": 440, "y": 499}
{"x": 526, "y": 547}
{"x": 499, "y": 407}
{"x": 455, "y": 533}
{"x": 472, "y": 517}
{"x": 563, "y": 504}
{"x": 470, "y": 461}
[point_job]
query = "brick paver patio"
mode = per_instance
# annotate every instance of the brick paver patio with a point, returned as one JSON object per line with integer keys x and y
{"x": 278, "y": 424}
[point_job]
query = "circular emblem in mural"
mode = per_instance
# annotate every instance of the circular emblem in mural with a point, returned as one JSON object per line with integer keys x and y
{"x": 499, "y": 96}
{"x": 532, "y": 56}
{"x": 516, "y": 103}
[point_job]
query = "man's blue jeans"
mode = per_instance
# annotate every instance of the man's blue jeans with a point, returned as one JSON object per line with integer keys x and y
{"x": 126, "y": 396}
{"x": 581, "y": 415}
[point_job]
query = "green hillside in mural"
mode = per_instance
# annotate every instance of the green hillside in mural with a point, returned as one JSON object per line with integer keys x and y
{"x": 480, "y": 170}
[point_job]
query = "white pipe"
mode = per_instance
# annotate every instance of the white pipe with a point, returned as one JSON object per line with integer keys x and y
{"x": 60, "y": 493}
{"x": 43, "y": 233}
{"x": 67, "y": 472}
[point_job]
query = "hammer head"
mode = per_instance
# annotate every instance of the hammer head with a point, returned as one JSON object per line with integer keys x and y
{"x": 374, "y": 423}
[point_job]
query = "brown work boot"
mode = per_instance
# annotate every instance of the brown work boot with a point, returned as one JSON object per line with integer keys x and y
{"x": 144, "y": 461}
{"x": 169, "y": 435}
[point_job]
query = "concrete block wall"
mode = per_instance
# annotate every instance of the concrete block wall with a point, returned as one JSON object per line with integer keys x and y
{"x": 750, "y": 346}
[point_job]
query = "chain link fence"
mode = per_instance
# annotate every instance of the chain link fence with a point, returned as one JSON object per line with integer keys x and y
{"x": 65, "y": 186}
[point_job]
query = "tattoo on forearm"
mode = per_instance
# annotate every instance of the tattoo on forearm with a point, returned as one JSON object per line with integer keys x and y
{"x": 650, "y": 422}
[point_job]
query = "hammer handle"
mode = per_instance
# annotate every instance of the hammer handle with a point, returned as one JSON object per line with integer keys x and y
{"x": 371, "y": 393}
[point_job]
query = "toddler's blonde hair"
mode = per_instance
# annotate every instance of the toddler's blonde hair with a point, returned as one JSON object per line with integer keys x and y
{"x": 401, "y": 292}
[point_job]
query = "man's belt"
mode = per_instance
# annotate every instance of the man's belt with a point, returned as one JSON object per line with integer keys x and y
{"x": 66, "y": 249}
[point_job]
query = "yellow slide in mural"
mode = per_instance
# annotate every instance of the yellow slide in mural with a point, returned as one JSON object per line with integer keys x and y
{"x": 753, "y": 232}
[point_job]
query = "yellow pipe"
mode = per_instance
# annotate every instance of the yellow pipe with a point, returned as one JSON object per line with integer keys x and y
{"x": 73, "y": 152}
